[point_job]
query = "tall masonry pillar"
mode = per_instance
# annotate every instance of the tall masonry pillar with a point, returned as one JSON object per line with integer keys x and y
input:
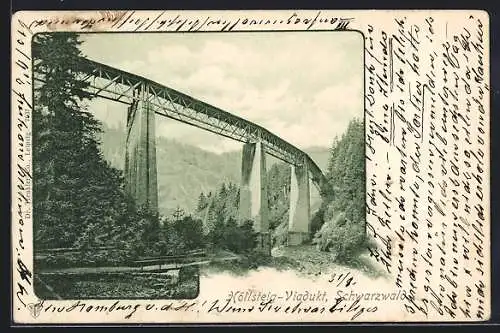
{"x": 299, "y": 212}
{"x": 253, "y": 194}
{"x": 140, "y": 153}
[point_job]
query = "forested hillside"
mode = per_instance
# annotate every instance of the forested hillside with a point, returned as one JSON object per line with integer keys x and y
{"x": 343, "y": 227}
{"x": 338, "y": 225}
{"x": 184, "y": 171}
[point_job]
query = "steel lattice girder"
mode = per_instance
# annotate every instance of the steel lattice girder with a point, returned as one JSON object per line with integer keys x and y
{"x": 120, "y": 86}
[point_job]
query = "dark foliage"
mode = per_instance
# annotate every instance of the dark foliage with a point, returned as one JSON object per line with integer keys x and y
{"x": 343, "y": 231}
{"x": 118, "y": 286}
{"x": 190, "y": 230}
{"x": 278, "y": 189}
{"x": 220, "y": 214}
{"x": 238, "y": 238}
{"x": 79, "y": 199}
{"x": 346, "y": 173}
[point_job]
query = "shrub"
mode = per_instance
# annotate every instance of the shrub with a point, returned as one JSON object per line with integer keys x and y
{"x": 317, "y": 220}
{"x": 190, "y": 232}
{"x": 340, "y": 236}
{"x": 254, "y": 260}
{"x": 280, "y": 234}
{"x": 234, "y": 237}
{"x": 189, "y": 273}
{"x": 239, "y": 238}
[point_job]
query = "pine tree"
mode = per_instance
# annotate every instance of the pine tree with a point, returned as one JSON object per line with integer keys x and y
{"x": 278, "y": 188}
{"x": 223, "y": 191}
{"x": 202, "y": 202}
{"x": 341, "y": 230}
{"x": 78, "y": 198}
{"x": 178, "y": 214}
{"x": 346, "y": 173}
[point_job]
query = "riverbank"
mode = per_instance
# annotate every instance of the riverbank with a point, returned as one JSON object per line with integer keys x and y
{"x": 305, "y": 260}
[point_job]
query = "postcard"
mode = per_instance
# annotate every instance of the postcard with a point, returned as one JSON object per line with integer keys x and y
{"x": 173, "y": 167}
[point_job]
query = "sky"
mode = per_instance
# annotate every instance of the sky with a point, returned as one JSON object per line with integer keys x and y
{"x": 304, "y": 87}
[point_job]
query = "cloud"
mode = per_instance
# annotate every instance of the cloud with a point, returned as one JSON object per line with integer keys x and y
{"x": 303, "y": 87}
{"x": 343, "y": 101}
{"x": 111, "y": 113}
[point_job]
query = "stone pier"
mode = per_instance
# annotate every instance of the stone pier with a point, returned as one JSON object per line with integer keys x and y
{"x": 140, "y": 153}
{"x": 299, "y": 212}
{"x": 253, "y": 193}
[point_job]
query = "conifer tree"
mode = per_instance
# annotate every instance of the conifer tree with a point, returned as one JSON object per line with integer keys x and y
{"x": 343, "y": 230}
{"x": 346, "y": 173}
{"x": 78, "y": 198}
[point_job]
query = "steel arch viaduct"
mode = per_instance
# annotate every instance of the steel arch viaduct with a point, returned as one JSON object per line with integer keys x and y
{"x": 146, "y": 98}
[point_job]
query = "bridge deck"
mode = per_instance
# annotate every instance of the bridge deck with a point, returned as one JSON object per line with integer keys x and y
{"x": 124, "y": 87}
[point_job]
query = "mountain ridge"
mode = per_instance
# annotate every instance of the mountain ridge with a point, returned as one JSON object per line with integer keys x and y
{"x": 184, "y": 171}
